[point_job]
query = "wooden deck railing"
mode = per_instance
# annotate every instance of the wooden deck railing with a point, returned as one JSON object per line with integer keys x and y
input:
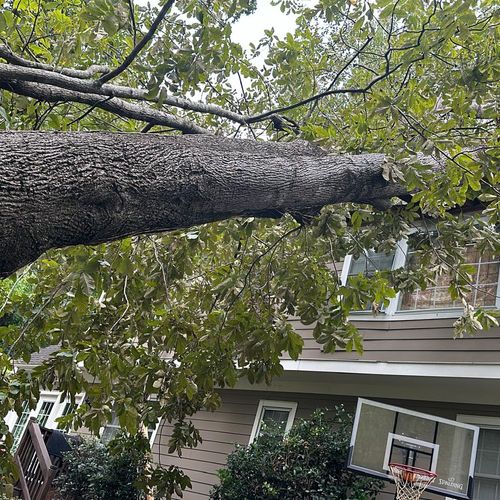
{"x": 35, "y": 467}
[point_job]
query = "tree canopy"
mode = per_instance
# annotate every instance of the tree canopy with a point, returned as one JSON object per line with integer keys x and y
{"x": 151, "y": 325}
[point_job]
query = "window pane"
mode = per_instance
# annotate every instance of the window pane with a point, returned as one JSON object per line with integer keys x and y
{"x": 488, "y": 452}
{"x": 370, "y": 262}
{"x": 486, "y": 489}
{"x": 109, "y": 433}
{"x": 274, "y": 418}
{"x": 279, "y": 417}
{"x": 484, "y": 285}
{"x": 20, "y": 425}
{"x": 44, "y": 413}
{"x": 68, "y": 408}
{"x": 110, "y": 430}
{"x": 488, "y": 463}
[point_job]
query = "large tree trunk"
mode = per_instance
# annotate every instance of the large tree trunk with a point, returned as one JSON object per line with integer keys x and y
{"x": 60, "y": 189}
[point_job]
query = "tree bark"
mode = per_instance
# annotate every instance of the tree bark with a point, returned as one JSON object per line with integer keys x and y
{"x": 61, "y": 189}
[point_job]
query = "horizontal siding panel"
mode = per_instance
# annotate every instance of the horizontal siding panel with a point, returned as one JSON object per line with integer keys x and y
{"x": 219, "y": 436}
{"x": 417, "y": 333}
{"x": 389, "y": 344}
{"x": 208, "y": 476}
{"x": 211, "y": 457}
{"x": 194, "y": 495}
{"x": 424, "y": 340}
{"x": 421, "y": 356}
{"x": 207, "y": 446}
{"x": 225, "y": 416}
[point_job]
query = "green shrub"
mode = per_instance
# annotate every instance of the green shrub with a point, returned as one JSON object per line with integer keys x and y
{"x": 310, "y": 463}
{"x": 92, "y": 472}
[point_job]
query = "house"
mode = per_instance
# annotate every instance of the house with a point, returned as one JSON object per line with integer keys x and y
{"x": 411, "y": 359}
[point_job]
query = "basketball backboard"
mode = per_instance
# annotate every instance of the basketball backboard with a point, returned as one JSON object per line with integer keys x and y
{"x": 383, "y": 434}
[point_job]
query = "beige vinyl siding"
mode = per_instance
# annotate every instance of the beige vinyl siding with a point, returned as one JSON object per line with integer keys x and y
{"x": 232, "y": 424}
{"x": 425, "y": 340}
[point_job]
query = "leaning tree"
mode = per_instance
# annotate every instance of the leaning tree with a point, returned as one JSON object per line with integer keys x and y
{"x": 168, "y": 199}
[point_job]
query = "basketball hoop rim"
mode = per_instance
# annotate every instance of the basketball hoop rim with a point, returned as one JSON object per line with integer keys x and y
{"x": 413, "y": 470}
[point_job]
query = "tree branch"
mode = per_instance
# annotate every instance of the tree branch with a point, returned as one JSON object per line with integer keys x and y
{"x": 144, "y": 41}
{"x": 5, "y": 53}
{"x": 60, "y": 189}
{"x": 48, "y": 93}
{"x": 27, "y": 74}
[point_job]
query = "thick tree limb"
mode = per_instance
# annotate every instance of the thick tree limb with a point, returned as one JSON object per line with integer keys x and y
{"x": 48, "y": 93}
{"x": 12, "y": 58}
{"x": 9, "y": 72}
{"x": 60, "y": 189}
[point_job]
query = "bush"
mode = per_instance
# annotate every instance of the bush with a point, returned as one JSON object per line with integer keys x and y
{"x": 310, "y": 463}
{"x": 92, "y": 472}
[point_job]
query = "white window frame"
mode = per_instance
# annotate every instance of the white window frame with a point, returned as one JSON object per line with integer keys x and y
{"x": 57, "y": 409}
{"x": 392, "y": 311}
{"x": 151, "y": 438}
{"x": 267, "y": 404}
{"x": 482, "y": 422}
{"x": 400, "y": 254}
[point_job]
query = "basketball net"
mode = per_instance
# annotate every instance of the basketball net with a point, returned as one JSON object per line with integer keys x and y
{"x": 410, "y": 481}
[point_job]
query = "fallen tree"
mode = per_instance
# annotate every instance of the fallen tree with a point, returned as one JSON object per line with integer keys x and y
{"x": 121, "y": 123}
{"x": 60, "y": 189}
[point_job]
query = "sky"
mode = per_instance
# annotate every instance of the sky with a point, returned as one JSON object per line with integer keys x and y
{"x": 250, "y": 29}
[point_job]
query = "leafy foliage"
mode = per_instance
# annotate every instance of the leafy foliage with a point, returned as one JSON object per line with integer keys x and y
{"x": 91, "y": 472}
{"x": 308, "y": 463}
{"x": 150, "y": 327}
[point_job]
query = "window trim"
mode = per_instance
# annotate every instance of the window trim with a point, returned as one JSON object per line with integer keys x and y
{"x": 269, "y": 404}
{"x": 56, "y": 412}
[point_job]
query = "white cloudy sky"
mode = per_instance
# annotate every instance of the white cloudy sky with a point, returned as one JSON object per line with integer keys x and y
{"x": 251, "y": 28}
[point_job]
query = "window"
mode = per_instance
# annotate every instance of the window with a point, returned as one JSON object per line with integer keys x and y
{"x": 281, "y": 413}
{"x": 69, "y": 407}
{"x": 367, "y": 264}
{"x": 20, "y": 425}
{"x": 111, "y": 429}
{"x": 42, "y": 412}
{"x": 49, "y": 407}
{"x": 436, "y": 298}
{"x": 484, "y": 286}
{"x": 487, "y": 471}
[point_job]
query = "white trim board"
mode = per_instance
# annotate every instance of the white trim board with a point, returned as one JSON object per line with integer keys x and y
{"x": 442, "y": 370}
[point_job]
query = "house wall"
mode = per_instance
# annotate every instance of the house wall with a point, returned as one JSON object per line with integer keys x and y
{"x": 233, "y": 422}
{"x": 427, "y": 339}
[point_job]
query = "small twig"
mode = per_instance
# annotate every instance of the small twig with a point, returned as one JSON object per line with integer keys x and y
{"x": 147, "y": 128}
{"x": 83, "y": 115}
{"x": 13, "y": 287}
{"x": 135, "y": 51}
{"x": 160, "y": 263}
{"x": 33, "y": 27}
{"x": 126, "y": 307}
{"x": 132, "y": 20}
{"x": 337, "y": 76}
